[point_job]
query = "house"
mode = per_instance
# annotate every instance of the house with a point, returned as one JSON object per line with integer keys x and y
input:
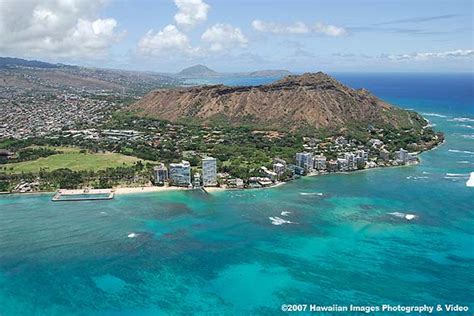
{"x": 268, "y": 173}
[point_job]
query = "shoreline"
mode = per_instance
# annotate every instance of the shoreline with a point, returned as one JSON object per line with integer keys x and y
{"x": 210, "y": 190}
{"x": 147, "y": 189}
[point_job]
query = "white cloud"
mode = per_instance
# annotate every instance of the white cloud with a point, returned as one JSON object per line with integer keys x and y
{"x": 298, "y": 28}
{"x": 190, "y": 12}
{"x": 174, "y": 38}
{"x": 55, "y": 28}
{"x": 330, "y": 30}
{"x": 278, "y": 28}
{"x": 430, "y": 56}
{"x": 222, "y": 37}
{"x": 166, "y": 41}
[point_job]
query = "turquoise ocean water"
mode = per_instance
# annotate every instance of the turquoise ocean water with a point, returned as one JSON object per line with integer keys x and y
{"x": 216, "y": 254}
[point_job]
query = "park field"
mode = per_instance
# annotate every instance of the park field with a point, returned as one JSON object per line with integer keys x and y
{"x": 73, "y": 159}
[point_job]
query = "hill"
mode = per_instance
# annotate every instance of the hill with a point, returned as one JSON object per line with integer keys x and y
{"x": 201, "y": 71}
{"x": 9, "y": 63}
{"x": 270, "y": 73}
{"x": 313, "y": 100}
{"x": 20, "y": 73}
{"x": 197, "y": 71}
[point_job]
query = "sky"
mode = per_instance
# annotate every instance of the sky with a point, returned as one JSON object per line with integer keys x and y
{"x": 243, "y": 35}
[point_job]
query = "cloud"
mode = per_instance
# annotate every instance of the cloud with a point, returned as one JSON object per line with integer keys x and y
{"x": 298, "y": 28}
{"x": 420, "y": 19}
{"x": 223, "y": 37}
{"x": 330, "y": 30}
{"x": 166, "y": 41}
{"x": 174, "y": 38}
{"x": 56, "y": 28}
{"x": 218, "y": 38}
{"x": 278, "y": 28}
{"x": 190, "y": 12}
{"x": 410, "y": 57}
{"x": 460, "y": 53}
{"x": 398, "y": 30}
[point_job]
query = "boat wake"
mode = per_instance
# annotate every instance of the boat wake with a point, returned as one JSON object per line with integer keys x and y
{"x": 311, "y": 193}
{"x": 285, "y": 213}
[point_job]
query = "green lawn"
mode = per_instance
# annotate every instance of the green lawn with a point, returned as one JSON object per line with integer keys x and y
{"x": 73, "y": 159}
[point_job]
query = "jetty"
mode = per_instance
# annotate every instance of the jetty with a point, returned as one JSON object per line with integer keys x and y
{"x": 63, "y": 195}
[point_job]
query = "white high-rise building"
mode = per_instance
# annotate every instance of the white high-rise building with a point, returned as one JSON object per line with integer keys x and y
{"x": 342, "y": 164}
{"x": 320, "y": 162}
{"x": 305, "y": 160}
{"x": 351, "y": 163}
{"x": 161, "y": 173}
{"x": 402, "y": 155}
{"x": 209, "y": 171}
{"x": 180, "y": 173}
{"x": 279, "y": 168}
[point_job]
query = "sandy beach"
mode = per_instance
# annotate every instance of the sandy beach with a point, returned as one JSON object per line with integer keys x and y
{"x": 128, "y": 190}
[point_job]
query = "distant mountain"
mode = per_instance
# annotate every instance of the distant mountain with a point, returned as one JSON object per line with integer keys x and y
{"x": 9, "y": 62}
{"x": 313, "y": 100}
{"x": 38, "y": 75}
{"x": 201, "y": 71}
{"x": 197, "y": 71}
{"x": 270, "y": 73}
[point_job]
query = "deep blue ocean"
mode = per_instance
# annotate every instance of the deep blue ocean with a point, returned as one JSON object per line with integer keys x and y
{"x": 347, "y": 242}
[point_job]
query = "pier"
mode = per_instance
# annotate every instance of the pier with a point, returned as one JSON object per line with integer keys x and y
{"x": 83, "y": 195}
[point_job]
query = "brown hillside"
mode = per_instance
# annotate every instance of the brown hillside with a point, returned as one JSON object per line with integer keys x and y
{"x": 312, "y": 99}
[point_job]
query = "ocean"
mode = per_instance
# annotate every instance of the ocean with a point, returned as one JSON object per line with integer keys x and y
{"x": 345, "y": 240}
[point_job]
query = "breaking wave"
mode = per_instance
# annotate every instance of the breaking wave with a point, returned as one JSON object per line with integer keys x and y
{"x": 457, "y": 174}
{"x": 435, "y": 114}
{"x": 278, "y": 220}
{"x": 470, "y": 181}
{"x": 311, "y": 193}
{"x": 462, "y": 119}
{"x": 406, "y": 216}
{"x": 465, "y": 126}
{"x": 461, "y": 151}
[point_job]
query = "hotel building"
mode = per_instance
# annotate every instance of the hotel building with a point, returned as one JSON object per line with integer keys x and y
{"x": 161, "y": 173}
{"x": 305, "y": 160}
{"x": 180, "y": 173}
{"x": 209, "y": 171}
